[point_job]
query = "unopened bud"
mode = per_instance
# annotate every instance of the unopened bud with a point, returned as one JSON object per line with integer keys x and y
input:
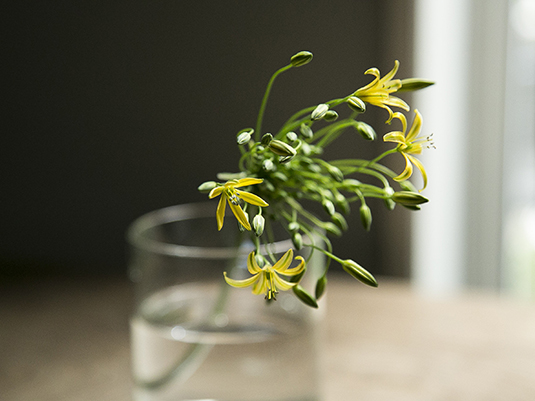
{"x": 342, "y": 202}
{"x": 356, "y": 104}
{"x": 291, "y": 136}
{"x": 267, "y": 165}
{"x": 301, "y": 58}
{"x": 293, "y": 226}
{"x": 389, "y": 203}
{"x": 266, "y": 139}
{"x": 319, "y": 112}
{"x": 244, "y": 136}
{"x": 358, "y": 272}
{"x": 306, "y": 131}
{"x": 366, "y": 217}
{"x": 297, "y": 240}
{"x": 281, "y": 148}
{"x": 207, "y": 186}
{"x": 336, "y": 173}
{"x": 340, "y": 221}
{"x": 258, "y": 224}
{"x": 414, "y": 84}
{"x": 407, "y": 198}
{"x": 320, "y": 286}
{"x": 331, "y": 115}
{"x": 328, "y": 206}
{"x": 365, "y": 130}
{"x": 304, "y": 296}
{"x": 331, "y": 228}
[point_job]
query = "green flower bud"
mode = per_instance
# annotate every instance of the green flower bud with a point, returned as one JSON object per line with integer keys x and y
{"x": 266, "y": 139}
{"x": 319, "y": 112}
{"x": 315, "y": 168}
{"x": 244, "y": 136}
{"x": 306, "y": 149}
{"x": 291, "y": 136}
{"x": 414, "y": 84}
{"x": 285, "y": 159}
{"x": 301, "y": 58}
{"x": 281, "y": 148}
{"x": 358, "y": 272}
{"x": 320, "y": 286}
{"x": 306, "y": 131}
{"x": 267, "y": 165}
{"x": 331, "y": 228}
{"x": 407, "y": 198}
{"x": 304, "y": 296}
{"x": 328, "y": 206}
{"x": 365, "y": 216}
{"x": 340, "y": 221}
{"x": 293, "y": 226}
{"x": 365, "y": 130}
{"x": 356, "y": 104}
{"x": 297, "y": 240}
{"x": 389, "y": 203}
{"x": 207, "y": 186}
{"x": 335, "y": 173}
{"x": 331, "y": 115}
{"x": 342, "y": 202}
{"x": 258, "y": 224}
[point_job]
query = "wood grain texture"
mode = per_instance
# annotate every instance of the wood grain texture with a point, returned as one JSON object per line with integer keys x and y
{"x": 69, "y": 340}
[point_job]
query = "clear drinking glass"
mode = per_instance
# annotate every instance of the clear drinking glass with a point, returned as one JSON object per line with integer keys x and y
{"x": 196, "y": 338}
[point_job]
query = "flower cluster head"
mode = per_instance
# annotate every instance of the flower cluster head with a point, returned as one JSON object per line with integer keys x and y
{"x": 289, "y": 164}
{"x": 267, "y": 279}
{"x": 409, "y": 144}
{"x": 378, "y": 92}
{"x": 231, "y": 195}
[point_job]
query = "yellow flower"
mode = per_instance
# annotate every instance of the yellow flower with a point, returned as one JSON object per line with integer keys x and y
{"x": 378, "y": 91}
{"x": 266, "y": 280}
{"x": 409, "y": 145}
{"x": 230, "y": 194}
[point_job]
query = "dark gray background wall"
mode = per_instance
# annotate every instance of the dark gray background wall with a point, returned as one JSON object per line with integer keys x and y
{"x": 112, "y": 109}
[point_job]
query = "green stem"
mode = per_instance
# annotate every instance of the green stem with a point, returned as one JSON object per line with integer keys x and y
{"x": 265, "y": 99}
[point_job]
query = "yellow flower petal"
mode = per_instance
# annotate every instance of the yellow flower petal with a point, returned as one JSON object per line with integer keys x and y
{"x": 251, "y": 198}
{"x": 392, "y": 72}
{"x": 240, "y": 215}
{"x": 394, "y": 136}
{"x": 405, "y": 174}
{"x": 215, "y": 192}
{"x": 296, "y": 270}
{"x": 220, "y": 212}
{"x": 415, "y": 128}
{"x": 282, "y": 284}
{"x": 241, "y": 283}
{"x": 261, "y": 286}
{"x": 285, "y": 261}
{"x": 252, "y": 266}
{"x": 396, "y": 102}
{"x": 244, "y": 182}
{"x": 420, "y": 167}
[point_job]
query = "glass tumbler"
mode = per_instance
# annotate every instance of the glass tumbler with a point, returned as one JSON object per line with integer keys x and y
{"x": 193, "y": 337}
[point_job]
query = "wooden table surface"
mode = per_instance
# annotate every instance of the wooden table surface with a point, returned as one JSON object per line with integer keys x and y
{"x": 68, "y": 340}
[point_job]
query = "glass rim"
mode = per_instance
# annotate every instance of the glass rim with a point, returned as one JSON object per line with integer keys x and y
{"x": 183, "y": 212}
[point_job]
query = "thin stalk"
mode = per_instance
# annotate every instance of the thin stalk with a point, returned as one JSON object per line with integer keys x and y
{"x": 265, "y": 99}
